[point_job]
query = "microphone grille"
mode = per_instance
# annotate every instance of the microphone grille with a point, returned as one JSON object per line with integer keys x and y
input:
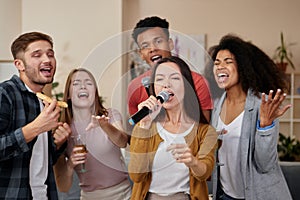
{"x": 146, "y": 81}
{"x": 163, "y": 96}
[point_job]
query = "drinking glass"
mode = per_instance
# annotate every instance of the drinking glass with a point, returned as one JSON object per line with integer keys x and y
{"x": 79, "y": 141}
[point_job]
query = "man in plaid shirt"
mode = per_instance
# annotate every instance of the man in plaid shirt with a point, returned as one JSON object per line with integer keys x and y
{"x": 28, "y": 149}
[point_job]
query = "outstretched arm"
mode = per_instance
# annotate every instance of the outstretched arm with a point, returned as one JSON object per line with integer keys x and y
{"x": 114, "y": 131}
{"x": 267, "y": 131}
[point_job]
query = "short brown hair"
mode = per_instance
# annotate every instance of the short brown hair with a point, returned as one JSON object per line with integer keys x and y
{"x": 21, "y": 43}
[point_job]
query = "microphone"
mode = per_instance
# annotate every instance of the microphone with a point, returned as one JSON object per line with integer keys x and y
{"x": 146, "y": 84}
{"x": 163, "y": 96}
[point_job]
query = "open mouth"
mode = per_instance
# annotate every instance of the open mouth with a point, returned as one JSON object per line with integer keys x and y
{"x": 156, "y": 58}
{"x": 171, "y": 94}
{"x": 222, "y": 77}
{"x": 46, "y": 71}
{"x": 83, "y": 94}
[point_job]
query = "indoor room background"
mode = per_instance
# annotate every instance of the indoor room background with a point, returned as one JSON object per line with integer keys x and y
{"x": 94, "y": 33}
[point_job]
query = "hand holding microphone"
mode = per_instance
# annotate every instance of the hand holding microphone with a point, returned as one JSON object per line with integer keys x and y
{"x": 148, "y": 107}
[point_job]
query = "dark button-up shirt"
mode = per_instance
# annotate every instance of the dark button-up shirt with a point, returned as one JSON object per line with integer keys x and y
{"x": 18, "y": 107}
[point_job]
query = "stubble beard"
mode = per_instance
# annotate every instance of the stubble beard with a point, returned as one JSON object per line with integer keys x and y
{"x": 33, "y": 75}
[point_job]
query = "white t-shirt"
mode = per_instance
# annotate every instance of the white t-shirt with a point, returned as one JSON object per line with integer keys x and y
{"x": 229, "y": 155}
{"x": 168, "y": 176}
{"x": 38, "y": 170}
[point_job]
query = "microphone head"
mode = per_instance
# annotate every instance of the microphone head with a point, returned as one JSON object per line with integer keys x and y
{"x": 146, "y": 81}
{"x": 163, "y": 96}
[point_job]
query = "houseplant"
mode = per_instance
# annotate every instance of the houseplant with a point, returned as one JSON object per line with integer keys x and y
{"x": 57, "y": 95}
{"x": 288, "y": 148}
{"x": 283, "y": 56}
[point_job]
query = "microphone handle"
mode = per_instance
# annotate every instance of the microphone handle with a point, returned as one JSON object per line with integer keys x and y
{"x": 135, "y": 118}
{"x": 162, "y": 97}
{"x": 147, "y": 90}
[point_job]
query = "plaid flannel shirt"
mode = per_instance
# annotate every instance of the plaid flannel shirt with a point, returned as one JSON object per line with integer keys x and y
{"x": 19, "y": 107}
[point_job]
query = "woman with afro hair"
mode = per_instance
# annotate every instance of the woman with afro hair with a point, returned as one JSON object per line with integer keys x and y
{"x": 246, "y": 118}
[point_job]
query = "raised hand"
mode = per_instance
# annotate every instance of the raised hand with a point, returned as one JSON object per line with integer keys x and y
{"x": 47, "y": 120}
{"x": 182, "y": 154}
{"x": 61, "y": 134}
{"x": 97, "y": 121}
{"x": 114, "y": 131}
{"x": 154, "y": 105}
{"x": 103, "y": 120}
{"x": 271, "y": 108}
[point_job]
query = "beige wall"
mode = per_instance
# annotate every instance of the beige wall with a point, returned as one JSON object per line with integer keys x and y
{"x": 255, "y": 20}
{"x": 258, "y": 21}
{"x": 77, "y": 27}
{"x": 10, "y": 25}
{"x": 81, "y": 28}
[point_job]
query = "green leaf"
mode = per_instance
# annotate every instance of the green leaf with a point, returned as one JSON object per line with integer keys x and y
{"x": 55, "y": 84}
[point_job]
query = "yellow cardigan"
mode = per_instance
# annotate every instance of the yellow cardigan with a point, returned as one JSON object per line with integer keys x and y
{"x": 143, "y": 145}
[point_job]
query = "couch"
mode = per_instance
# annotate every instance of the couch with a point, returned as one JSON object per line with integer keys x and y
{"x": 291, "y": 172}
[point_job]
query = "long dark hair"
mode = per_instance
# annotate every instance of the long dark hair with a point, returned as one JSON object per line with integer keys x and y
{"x": 256, "y": 69}
{"x": 191, "y": 102}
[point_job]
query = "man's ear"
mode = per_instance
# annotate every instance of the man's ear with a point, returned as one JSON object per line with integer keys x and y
{"x": 171, "y": 44}
{"x": 19, "y": 65}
